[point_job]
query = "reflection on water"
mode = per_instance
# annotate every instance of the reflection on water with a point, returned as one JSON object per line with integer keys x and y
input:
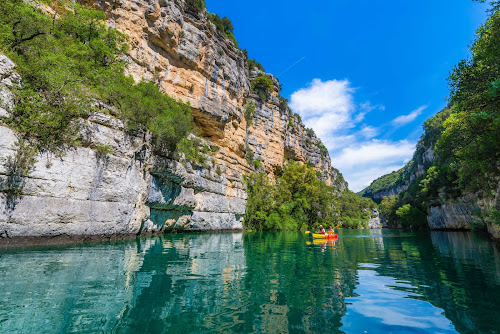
{"x": 389, "y": 305}
{"x": 374, "y": 281}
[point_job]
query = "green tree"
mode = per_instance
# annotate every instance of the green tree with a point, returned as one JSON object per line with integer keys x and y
{"x": 469, "y": 140}
{"x": 195, "y": 6}
{"x": 411, "y": 217}
{"x": 68, "y": 62}
{"x": 263, "y": 86}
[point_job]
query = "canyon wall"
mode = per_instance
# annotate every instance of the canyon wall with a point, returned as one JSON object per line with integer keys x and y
{"x": 444, "y": 211}
{"x": 131, "y": 190}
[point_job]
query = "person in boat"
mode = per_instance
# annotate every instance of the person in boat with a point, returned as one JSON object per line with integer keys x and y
{"x": 321, "y": 230}
{"x": 331, "y": 231}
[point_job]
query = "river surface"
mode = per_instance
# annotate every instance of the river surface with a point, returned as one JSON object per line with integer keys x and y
{"x": 369, "y": 281}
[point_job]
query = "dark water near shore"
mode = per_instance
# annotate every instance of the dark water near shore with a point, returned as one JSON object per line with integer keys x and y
{"x": 374, "y": 281}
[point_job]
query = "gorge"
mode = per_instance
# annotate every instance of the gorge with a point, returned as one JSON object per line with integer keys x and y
{"x": 114, "y": 182}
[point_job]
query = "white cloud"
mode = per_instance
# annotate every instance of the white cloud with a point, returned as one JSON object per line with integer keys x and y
{"x": 374, "y": 151}
{"x": 325, "y": 106}
{"x": 369, "y": 132}
{"x": 362, "y": 162}
{"x": 405, "y": 119}
{"x": 323, "y": 97}
{"x": 330, "y": 109}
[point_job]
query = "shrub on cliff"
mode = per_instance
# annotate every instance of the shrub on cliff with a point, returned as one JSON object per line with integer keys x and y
{"x": 249, "y": 113}
{"x": 67, "y": 63}
{"x": 195, "y": 6}
{"x": 263, "y": 86}
{"x": 224, "y": 26}
{"x": 253, "y": 63}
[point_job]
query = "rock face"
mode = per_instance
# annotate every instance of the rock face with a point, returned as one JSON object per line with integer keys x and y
{"x": 464, "y": 212}
{"x": 443, "y": 213}
{"x": 408, "y": 174}
{"x": 133, "y": 191}
{"x": 374, "y": 222}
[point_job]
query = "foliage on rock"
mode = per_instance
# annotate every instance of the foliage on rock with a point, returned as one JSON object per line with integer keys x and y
{"x": 17, "y": 168}
{"x": 195, "y": 6}
{"x": 249, "y": 113}
{"x": 67, "y": 62}
{"x": 252, "y": 63}
{"x": 263, "y": 86}
{"x": 224, "y": 26}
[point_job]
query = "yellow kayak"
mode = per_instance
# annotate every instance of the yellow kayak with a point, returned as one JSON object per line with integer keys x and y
{"x": 324, "y": 236}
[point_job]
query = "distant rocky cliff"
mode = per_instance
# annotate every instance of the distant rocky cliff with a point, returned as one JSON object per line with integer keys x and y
{"x": 131, "y": 190}
{"x": 457, "y": 211}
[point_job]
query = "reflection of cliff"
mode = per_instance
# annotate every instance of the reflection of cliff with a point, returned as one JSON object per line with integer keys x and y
{"x": 269, "y": 282}
{"x": 453, "y": 272}
{"x": 62, "y": 290}
{"x": 190, "y": 281}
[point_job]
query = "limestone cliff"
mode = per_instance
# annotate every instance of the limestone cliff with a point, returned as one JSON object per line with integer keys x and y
{"x": 399, "y": 181}
{"x": 460, "y": 210}
{"x": 130, "y": 190}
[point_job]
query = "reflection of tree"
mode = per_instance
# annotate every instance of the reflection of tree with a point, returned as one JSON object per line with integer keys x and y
{"x": 452, "y": 270}
{"x": 258, "y": 282}
{"x": 294, "y": 287}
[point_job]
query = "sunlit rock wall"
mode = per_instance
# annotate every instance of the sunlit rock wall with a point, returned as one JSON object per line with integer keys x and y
{"x": 133, "y": 191}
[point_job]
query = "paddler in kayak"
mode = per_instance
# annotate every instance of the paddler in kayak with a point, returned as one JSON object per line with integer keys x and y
{"x": 330, "y": 231}
{"x": 321, "y": 230}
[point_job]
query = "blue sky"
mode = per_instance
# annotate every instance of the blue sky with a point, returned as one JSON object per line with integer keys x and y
{"x": 364, "y": 74}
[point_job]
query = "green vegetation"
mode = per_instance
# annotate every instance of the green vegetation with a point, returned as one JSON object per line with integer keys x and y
{"x": 339, "y": 182}
{"x": 387, "y": 210}
{"x": 322, "y": 149}
{"x": 298, "y": 199}
{"x": 354, "y": 210}
{"x": 17, "y": 168}
{"x": 411, "y": 216}
{"x": 469, "y": 142}
{"x": 71, "y": 61}
{"x": 224, "y": 26}
{"x": 195, "y": 6}
{"x": 68, "y": 62}
{"x": 298, "y": 117}
{"x": 283, "y": 103}
{"x": 103, "y": 150}
{"x": 249, "y": 113}
{"x": 194, "y": 151}
{"x": 383, "y": 183}
{"x": 263, "y": 86}
{"x": 464, "y": 137}
{"x": 253, "y": 63}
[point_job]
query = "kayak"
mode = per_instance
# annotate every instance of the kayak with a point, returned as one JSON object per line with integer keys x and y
{"x": 324, "y": 236}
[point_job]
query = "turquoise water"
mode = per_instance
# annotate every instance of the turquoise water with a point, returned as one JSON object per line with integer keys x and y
{"x": 371, "y": 281}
